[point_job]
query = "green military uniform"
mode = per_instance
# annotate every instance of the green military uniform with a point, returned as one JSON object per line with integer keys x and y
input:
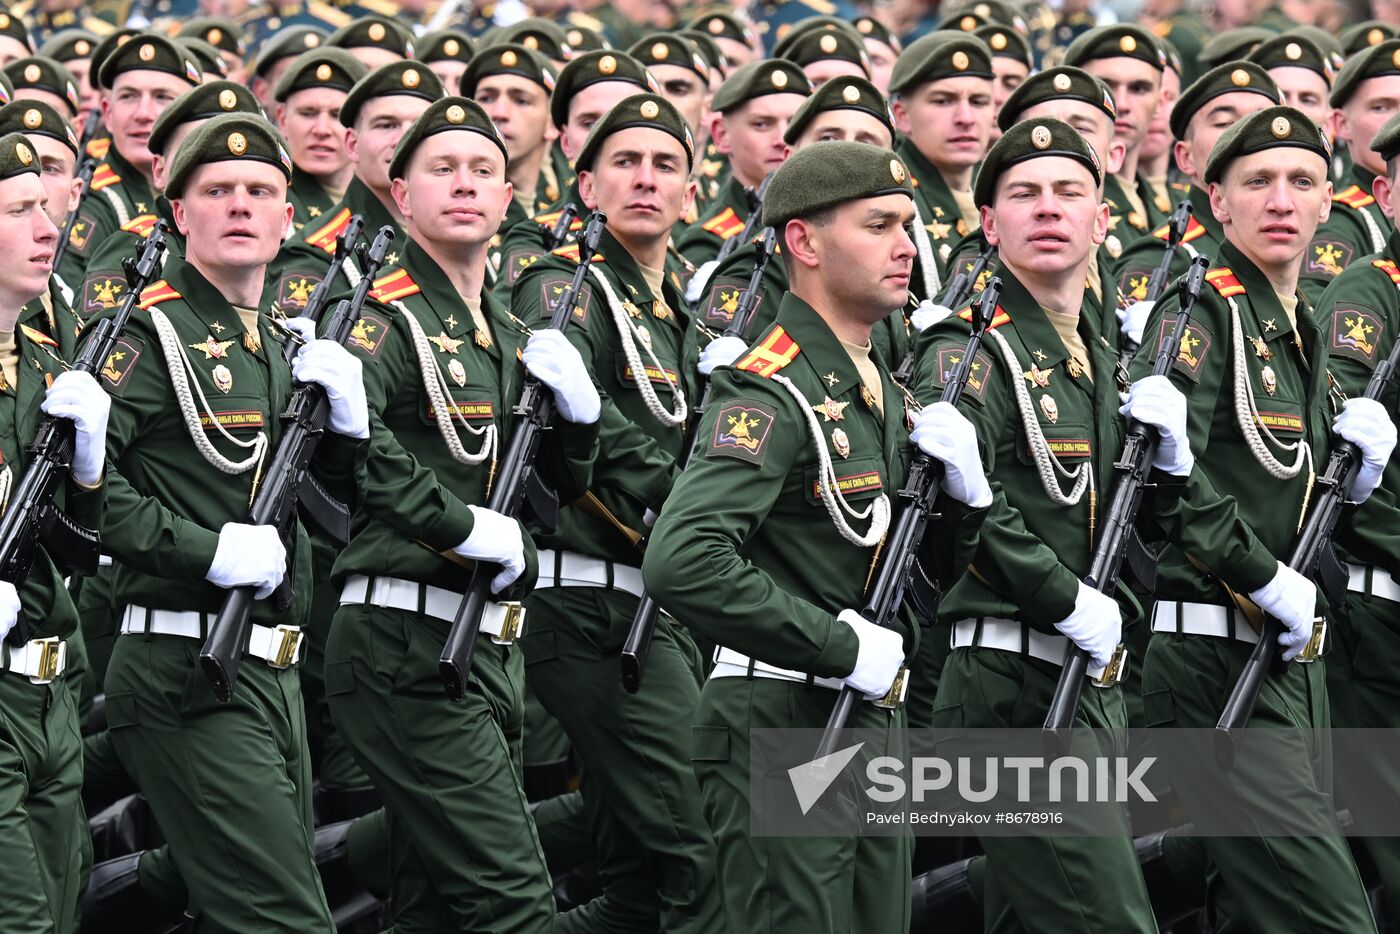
{"x": 330, "y": 68}
{"x": 1240, "y": 510}
{"x": 765, "y": 573}
{"x": 655, "y": 854}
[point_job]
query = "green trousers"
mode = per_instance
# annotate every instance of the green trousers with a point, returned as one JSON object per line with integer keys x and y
{"x": 229, "y": 784}
{"x": 46, "y": 853}
{"x": 463, "y": 851}
{"x": 655, "y": 854}
{"x": 1049, "y": 883}
{"x": 1299, "y": 883}
{"x": 99, "y": 624}
{"x": 331, "y": 760}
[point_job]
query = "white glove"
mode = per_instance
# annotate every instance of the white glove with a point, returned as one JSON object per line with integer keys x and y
{"x": 76, "y": 396}
{"x": 248, "y": 555}
{"x": 9, "y": 608}
{"x": 1153, "y": 400}
{"x": 341, "y": 374}
{"x": 1291, "y": 599}
{"x": 1364, "y": 423}
{"x": 722, "y": 351}
{"x": 879, "y": 658}
{"x": 1133, "y": 319}
{"x": 649, "y": 517}
{"x": 554, "y": 361}
{"x": 927, "y": 315}
{"x": 1096, "y": 625}
{"x": 495, "y": 538}
{"x": 943, "y": 433}
{"x": 699, "y": 281}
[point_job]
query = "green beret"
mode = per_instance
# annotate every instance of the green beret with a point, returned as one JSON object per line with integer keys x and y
{"x": 1173, "y": 56}
{"x": 1065, "y": 83}
{"x": 846, "y": 92}
{"x": 14, "y": 27}
{"x": 374, "y": 32}
{"x": 819, "y": 178}
{"x": 722, "y": 24}
{"x": 1229, "y": 78}
{"x": 44, "y": 74}
{"x": 709, "y": 49}
{"x": 582, "y": 39}
{"x": 1274, "y": 128}
{"x": 449, "y": 114}
{"x": 1232, "y": 45}
{"x": 965, "y": 21}
{"x": 226, "y": 138}
{"x": 409, "y": 78}
{"x": 809, "y": 25}
{"x": 594, "y": 68}
{"x": 206, "y": 57}
{"x": 1324, "y": 40}
{"x": 871, "y": 28}
{"x": 203, "y": 103}
{"x": 1006, "y": 42}
{"x": 69, "y": 44}
{"x": 1364, "y": 35}
{"x": 941, "y": 55}
{"x": 109, "y": 44}
{"x": 758, "y": 79}
{"x": 289, "y": 43}
{"x": 320, "y": 68}
{"x": 1378, "y": 61}
{"x": 1031, "y": 139}
{"x": 665, "y": 48}
{"x": 508, "y": 59}
{"x": 648, "y": 110}
{"x": 149, "y": 51}
{"x": 992, "y": 11}
{"x": 1386, "y": 142}
{"x": 445, "y": 45}
{"x": 16, "y": 158}
{"x": 823, "y": 45}
{"x": 536, "y": 34}
{"x": 1123, "y": 40}
{"x": 219, "y": 31}
{"x": 35, "y": 118}
{"x": 1287, "y": 51}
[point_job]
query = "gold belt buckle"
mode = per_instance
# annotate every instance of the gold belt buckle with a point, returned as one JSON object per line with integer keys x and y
{"x": 511, "y": 623}
{"x": 1115, "y": 669}
{"x": 1313, "y": 650}
{"x": 50, "y": 651}
{"x": 894, "y": 697}
{"x": 286, "y": 652}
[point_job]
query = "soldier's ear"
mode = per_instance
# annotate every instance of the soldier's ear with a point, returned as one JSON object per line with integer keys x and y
{"x": 1326, "y": 211}
{"x": 585, "y": 190}
{"x": 901, "y": 115}
{"x": 989, "y": 226}
{"x": 1181, "y": 151}
{"x": 1217, "y": 204}
{"x": 1381, "y": 190}
{"x": 398, "y": 190}
{"x": 1117, "y": 152}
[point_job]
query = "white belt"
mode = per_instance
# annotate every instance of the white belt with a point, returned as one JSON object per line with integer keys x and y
{"x": 503, "y": 622}
{"x": 39, "y": 660}
{"x": 731, "y": 664}
{"x": 1202, "y": 619}
{"x": 1373, "y": 581}
{"x": 1008, "y": 635}
{"x": 279, "y": 646}
{"x": 571, "y": 569}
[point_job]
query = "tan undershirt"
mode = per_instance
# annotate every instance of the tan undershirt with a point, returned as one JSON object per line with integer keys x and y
{"x": 478, "y": 316}
{"x": 655, "y": 281}
{"x": 869, "y": 373}
{"x": 1067, "y": 326}
{"x": 1134, "y": 202}
{"x": 1290, "y": 308}
{"x": 249, "y": 317}
{"x": 526, "y": 199}
{"x": 1160, "y": 191}
{"x": 1094, "y": 282}
{"x": 968, "y": 210}
{"x": 9, "y": 359}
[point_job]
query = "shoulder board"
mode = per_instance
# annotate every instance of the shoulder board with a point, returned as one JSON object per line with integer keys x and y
{"x": 99, "y": 148}
{"x": 724, "y": 225}
{"x": 155, "y": 293}
{"x": 38, "y": 337}
{"x": 328, "y": 13}
{"x": 326, "y": 237}
{"x": 775, "y": 351}
{"x": 1389, "y": 268}
{"x": 1224, "y": 282}
{"x": 998, "y": 319}
{"x": 1353, "y": 197}
{"x": 552, "y": 218}
{"x": 570, "y": 252}
{"x": 394, "y": 285}
{"x": 1194, "y": 229}
{"x": 103, "y": 177}
{"x": 141, "y": 225}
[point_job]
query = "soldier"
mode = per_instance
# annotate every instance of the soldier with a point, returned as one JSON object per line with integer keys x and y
{"x": 14, "y": 39}
{"x": 882, "y": 48}
{"x": 655, "y": 854}
{"x": 680, "y": 70}
{"x": 1233, "y": 44}
{"x": 734, "y": 36}
{"x": 1256, "y": 445}
{"x": 785, "y": 564}
{"x": 825, "y": 47}
{"x": 1220, "y": 99}
{"x": 205, "y": 56}
{"x": 1011, "y": 63}
{"x": 309, "y": 97}
{"x": 1366, "y": 95}
{"x": 446, "y": 53}
{"x": 226, "y": 37}
{"x": 536, "y": 34}
{"x": 277, "y": 56}
{"x": 42, "y": 79}
{"x": 1130, "y": 62}
{"x": 1179, "y": 25}
{"x": 464, "y": 847}
{"x": 1302, "y": 71}
{"x": 238, "y": 772}
{"x": 752, "y": 110}
{"x": 1155, "y": 158}
{"x": 376, "y": 112}
{"x": 1363, "y": 35}
{"x": 73, "y": 49}
{"x": 49, "y": 851}
{"x": 375, "y": 40}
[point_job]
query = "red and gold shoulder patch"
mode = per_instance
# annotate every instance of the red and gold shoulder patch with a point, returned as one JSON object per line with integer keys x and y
{"x": 724, "y": 225}
{"x": 773, "y": 353}
{"x": 394, "y": 285}
{"x": 998, "y": 319}
{"x": 742, "y": 431}
{"x": 98, "y": 148}
{"x": 325, "y": 238}
{"x": 155, "y": 293}
{"x": 38, "y": 337}
{"x": 1194, "y": 229}
{"x": 1223, "y": 281}
{"x": 1389, "y": 268}
{"x": 570, "y": 252}
{"x": 141, "y": 225}
{"x": 552, "y": 218}
{"x": 103, "y": 177}
{"x": 1354, "y": 197}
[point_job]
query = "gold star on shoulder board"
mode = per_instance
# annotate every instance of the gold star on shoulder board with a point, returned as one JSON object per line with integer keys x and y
{"x": 212, "y": 349}
{"x": 446, "y": 344}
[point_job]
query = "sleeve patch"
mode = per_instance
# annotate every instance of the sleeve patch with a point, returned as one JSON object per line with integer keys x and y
{"x": 949, "y": 356}
{"x": 81, "y": 233}
{"x": 1132, "y": 285}
{"x": 1191, "y": 355}
{"x": 742, "y": 431}
{"x": 294, "y": 291}
{"x": 552, "y": 290}
{"x": 369, "y": 334}
{"x": 101, "y": 291}
{"x": 518, "y": 261}
{"x": 723, "y": 300}
{"x": 1356, "y": 332}
{"x": 1327, "y": 257}
{"x": 121, "y": 362}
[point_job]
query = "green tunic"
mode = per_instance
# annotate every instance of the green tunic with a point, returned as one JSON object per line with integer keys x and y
{"x": 723, "y": 219}
{"x": 104, "y": 282}
{"x": 309, "y": 198}
{"x": 119, "y": 193}
{"x": 1204, "y": 236}
{"x": 523, "y": 243}
{"x": 1124, "y": 222}
{"x": 938, "y": 209}
{"x": 1355, "y": 228}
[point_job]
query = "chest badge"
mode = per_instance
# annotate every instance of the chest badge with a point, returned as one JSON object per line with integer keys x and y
{"x": 841, "y": 442}
{"x": 212, "y": 349}
{"x": 1269, "y": 379}
{"x": 1037, "y": 377}
{"x": 833, "y": 410}
{"x": 481, "y": 338}
{"x": 867, "y": 396}
{"x": 457, "y": 371}
{"x": 1261, "y": 349}
{"x": 223, "y": 379}
{"x": 1075, "y": 368}
{"x": 1050, "y": 409}
{"x": 446, "y": 344}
